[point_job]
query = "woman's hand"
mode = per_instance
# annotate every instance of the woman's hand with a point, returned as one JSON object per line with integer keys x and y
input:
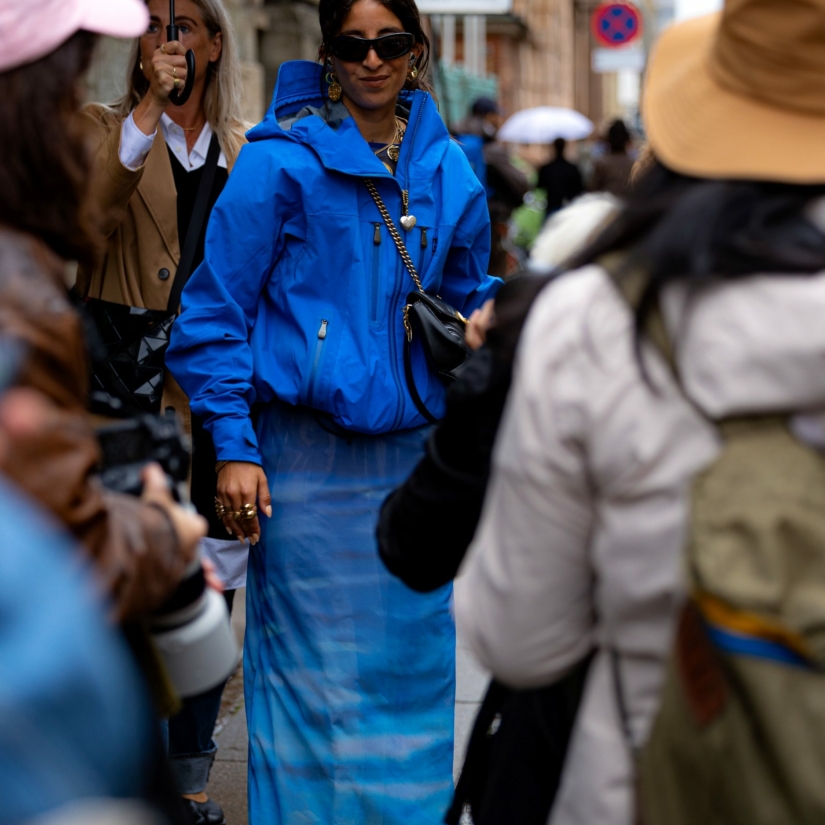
{"x": 168, "y": 65}
{"x": 189, "y": 527}
{"x": 242, "y": 483}
{"x": 477, "y": 325}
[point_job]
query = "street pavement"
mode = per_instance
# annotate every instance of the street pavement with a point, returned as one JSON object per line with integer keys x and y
{"x": 227, "y": 783}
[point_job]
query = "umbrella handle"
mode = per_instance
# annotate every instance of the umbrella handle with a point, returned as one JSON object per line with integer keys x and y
{"x": 179, "y": 97}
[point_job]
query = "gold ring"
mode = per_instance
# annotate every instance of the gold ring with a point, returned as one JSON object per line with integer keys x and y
{"x": 221, "y": 510}
{"x": 174, "y": 71}
{"x": 162, "y": 48}
{"x": 249, "y": 512}
{"x": 177, "y": 82}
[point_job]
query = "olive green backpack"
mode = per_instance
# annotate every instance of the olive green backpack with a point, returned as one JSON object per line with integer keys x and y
{"x": 740, "y": 735}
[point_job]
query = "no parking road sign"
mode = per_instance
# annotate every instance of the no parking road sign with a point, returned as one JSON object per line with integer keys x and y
{"x": 616, "y": 24}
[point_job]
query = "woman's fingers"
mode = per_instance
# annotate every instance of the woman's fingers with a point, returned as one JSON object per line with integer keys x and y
{"x": 210, "y": 573}
{"x": 478, "y": 324}
{"x": 264, "y": 498}
{"x": 247, "y": 493}
{"x": 238, "y": 490}
{"x": 189, "y": 527}
{"x": 172, "y": 47}
{"x": 168, "y": 70}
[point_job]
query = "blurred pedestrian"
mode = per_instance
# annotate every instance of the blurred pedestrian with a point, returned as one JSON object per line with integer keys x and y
{"x": 77, "y": 741}
{"x": 718, "y": 256}
{"x": 611, "y": 171}
{"x": 298, "y": 308}
{"x": 560, "y": 179}
{"x": 149, "y": 161}
{"x": 140, "y": 547}
{"x": 505, "y": 183}
{"x": 512, "y": 773}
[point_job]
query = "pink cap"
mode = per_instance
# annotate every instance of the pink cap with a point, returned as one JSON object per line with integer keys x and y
{"x": 31, "y": 29}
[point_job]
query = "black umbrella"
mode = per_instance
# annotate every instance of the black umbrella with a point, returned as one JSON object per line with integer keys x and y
{"x": 179, "y": 97}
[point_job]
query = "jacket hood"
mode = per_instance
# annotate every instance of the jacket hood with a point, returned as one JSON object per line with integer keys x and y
{"x": 751, "y": 346}
{"x": 301, "y": 112}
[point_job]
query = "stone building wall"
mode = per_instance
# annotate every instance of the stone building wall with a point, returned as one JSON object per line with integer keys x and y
{"x": 292, "y": 33}
{"x": 544, "y": 59}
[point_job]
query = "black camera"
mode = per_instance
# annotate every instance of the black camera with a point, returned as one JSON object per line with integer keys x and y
{"x": 191, "y": 631}
{"x": 129, "y": 445}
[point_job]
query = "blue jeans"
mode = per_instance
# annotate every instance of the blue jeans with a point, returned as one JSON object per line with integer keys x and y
{"x": 191, "y": 746}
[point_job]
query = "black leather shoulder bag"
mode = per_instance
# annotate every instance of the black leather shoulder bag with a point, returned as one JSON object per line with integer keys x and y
{"x": 432, "y": 321}
{"x": 129, "y": 344}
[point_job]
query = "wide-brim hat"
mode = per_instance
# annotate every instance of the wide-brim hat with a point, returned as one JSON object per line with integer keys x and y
{"x": 741, "y": 93}
{"x": 31, "y": 29}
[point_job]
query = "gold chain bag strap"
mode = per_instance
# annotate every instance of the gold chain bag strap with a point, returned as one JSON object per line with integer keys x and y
{"x": 439, "y": 328}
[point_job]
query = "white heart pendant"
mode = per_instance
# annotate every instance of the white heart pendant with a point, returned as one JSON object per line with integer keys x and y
{"x": 408, "y": 222}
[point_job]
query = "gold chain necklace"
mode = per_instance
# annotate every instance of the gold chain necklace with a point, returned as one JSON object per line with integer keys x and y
{"x": 393, "y": 148}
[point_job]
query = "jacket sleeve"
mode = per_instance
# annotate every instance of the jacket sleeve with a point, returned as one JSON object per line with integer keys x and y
{"x": 465, "y": 283}
{"x": 134, "y": 545}
{"x": 427, "y": 524}
{"x": 112, "y": 184}
{"x": 523, "y": 597}
{"x": 210, "y": 355}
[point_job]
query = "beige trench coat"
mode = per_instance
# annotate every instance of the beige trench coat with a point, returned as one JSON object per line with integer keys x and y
{"x": 137, "y": 212}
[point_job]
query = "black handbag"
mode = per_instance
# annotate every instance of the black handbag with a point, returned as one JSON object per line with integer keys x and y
{"x": 432, "y": 321}
{"x": 129, "y": 366}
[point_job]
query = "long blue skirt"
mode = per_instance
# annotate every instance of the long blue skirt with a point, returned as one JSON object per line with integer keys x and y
{"x": 349, "y": 675}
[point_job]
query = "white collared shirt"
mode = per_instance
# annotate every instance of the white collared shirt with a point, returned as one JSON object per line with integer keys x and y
{"x": 135, "y": 146}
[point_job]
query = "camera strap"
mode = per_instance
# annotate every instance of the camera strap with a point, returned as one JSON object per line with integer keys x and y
{"x": 196, "y": 224}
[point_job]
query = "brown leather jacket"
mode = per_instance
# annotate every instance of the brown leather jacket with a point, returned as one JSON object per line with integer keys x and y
{"x": 133, "y": 544}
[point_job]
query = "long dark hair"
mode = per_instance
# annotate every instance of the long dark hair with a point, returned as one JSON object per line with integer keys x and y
{"x": 680, "y": 228}
{"x": 43, "y": 159}
{"x": 333, "y": 13}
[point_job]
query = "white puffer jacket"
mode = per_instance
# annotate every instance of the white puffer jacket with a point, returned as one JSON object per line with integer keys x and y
{"x": 580, "y": 543}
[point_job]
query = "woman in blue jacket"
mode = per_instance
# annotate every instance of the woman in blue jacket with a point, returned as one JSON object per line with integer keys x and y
{"x": 297, "y": 312}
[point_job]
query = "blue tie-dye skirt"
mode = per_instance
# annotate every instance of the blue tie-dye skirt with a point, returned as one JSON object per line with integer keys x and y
{"x": 349, "y": 675}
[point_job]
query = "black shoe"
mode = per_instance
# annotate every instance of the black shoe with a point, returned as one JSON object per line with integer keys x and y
{"x": 205, "y": 813}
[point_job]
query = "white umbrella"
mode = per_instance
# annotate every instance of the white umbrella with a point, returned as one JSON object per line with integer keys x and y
{"x": 544, "y": 124}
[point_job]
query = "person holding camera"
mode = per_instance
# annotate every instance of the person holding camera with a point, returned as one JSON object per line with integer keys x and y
{"x": 140, "y": 546}
{"x": 349, "y": 191}
{"x": 151, "y": 167}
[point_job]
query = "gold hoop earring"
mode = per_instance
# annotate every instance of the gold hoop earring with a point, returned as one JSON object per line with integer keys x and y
{"x": 412, "y": 74}
{"x": 334, "y": 91}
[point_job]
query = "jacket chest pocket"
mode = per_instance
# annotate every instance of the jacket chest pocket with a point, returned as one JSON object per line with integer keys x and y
{"x": 375, "y": 284}
{"x": 316, "y": 351}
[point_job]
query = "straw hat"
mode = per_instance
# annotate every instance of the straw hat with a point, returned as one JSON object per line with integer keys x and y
{"x": 741, "y": 93}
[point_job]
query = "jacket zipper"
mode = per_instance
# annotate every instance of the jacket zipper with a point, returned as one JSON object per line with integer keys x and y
{"x": 376, "y": 260}
{"x": 396, "y": 294}
{"x": 421, "y": 251}
{"x": 322, "y": 337}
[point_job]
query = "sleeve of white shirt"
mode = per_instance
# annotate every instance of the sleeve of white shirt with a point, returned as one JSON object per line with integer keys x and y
{"x": 134, "y": 145}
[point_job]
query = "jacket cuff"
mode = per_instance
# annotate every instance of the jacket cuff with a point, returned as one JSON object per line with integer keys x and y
{"x": 235, "y": 440}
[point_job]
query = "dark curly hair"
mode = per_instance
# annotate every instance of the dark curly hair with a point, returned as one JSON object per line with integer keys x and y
{"x": 43, "y": 161}
{"x": 333, "y": 13}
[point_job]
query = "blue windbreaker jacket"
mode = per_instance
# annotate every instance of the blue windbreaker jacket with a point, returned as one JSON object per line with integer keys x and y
{"x": 301, "y": 292}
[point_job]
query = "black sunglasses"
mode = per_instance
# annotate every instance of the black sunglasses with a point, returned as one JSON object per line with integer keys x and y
{"x": 388, "y": 47}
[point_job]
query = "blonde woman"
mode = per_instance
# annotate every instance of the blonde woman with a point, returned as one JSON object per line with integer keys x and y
{"x": 148, "y": 163}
